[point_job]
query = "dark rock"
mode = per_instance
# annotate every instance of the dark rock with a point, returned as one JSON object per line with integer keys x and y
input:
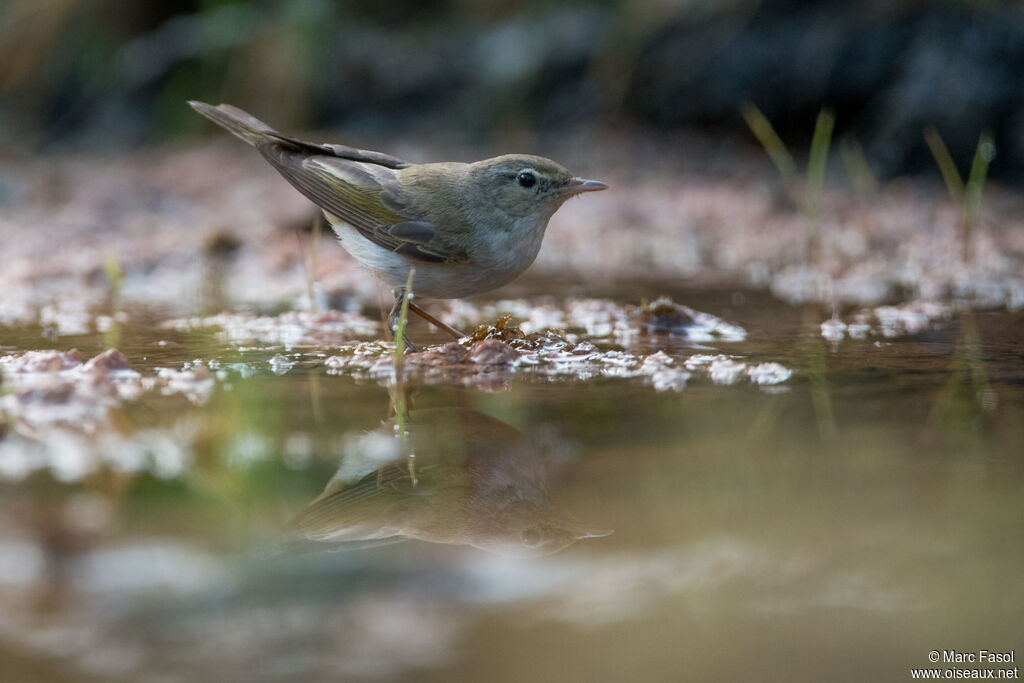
{"x": 491, "y": 352}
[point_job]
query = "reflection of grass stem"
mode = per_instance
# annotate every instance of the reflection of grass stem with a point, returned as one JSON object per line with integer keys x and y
{"x": 314, "y": 398}
{"x": 967, "y": 371}
{"x": 965, "y": 196}
{"x": 821, "y": 398}
{"x": 399, "y": 358}
{"x": 806, "y": 194}
{"x": 767, "y": 417}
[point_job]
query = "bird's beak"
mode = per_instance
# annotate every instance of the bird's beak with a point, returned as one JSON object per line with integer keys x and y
{"x": 577, "y": 185}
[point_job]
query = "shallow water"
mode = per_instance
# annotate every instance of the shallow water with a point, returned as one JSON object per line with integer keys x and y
{"x": 836, "y": 525}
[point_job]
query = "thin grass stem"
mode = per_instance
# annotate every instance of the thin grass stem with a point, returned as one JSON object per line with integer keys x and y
{"x": 398, "y": 361}
{"x": 762, "y": 129}
{"x": 954, "y": 183}
{"x": 857, "y": 168}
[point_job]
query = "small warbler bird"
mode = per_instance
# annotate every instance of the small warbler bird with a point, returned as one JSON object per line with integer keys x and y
{"x": 464, "y": 228}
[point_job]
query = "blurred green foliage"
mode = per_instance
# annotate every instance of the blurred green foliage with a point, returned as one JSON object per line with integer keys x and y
{"x": 105, "y": 73}
{"x": 806, "y": 192}
{"x": 126, "y": 67}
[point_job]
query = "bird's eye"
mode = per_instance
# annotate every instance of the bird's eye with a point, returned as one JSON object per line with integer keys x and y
{"x": 531, "y": 538}
{"x": 527, "y": 179}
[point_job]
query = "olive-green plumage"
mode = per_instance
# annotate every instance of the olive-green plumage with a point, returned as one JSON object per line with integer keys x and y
{"x": 465, "y": 228}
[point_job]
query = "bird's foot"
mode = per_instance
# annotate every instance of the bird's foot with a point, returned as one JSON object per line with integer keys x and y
{"x": 396, "y": 313}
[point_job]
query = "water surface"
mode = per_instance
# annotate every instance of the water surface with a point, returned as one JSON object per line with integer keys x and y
{"x": 837, "y": 525}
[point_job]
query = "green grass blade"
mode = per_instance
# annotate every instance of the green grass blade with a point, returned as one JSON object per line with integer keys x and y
{"x": 114, "y": 274}
{"x": 820, "y": 144}
{"x": 403, "y": 316}
{"x": 857, "y": 168}
{"x": 399, "y": 400}
{"x": 954, "y": 183}
{"x": 762, "y": 129}
{"x": 984, "y": 153}
{"x": 314, "y": 251}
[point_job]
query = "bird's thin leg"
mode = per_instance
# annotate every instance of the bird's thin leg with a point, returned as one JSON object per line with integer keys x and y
{"x": 434, "y": 321}
{"x": 395, "y": 314}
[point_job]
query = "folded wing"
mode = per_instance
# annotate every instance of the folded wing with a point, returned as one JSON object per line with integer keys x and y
{"x": 363, "y": 193}
{"x": 357, "y": 186}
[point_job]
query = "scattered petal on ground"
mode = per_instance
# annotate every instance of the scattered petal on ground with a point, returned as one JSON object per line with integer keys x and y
{"x": 55, "y": 388}
{"x": 290, "y": 329}
{"x": 205, "y": 225}
{"x": 493, "y": 353}
{"x": 601, "y": 320}
{"x": 888, "y": 322}
{"x": 768, "y": 373}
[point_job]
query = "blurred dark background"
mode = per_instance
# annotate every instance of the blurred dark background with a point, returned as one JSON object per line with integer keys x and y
{"x": 111, "y": 74}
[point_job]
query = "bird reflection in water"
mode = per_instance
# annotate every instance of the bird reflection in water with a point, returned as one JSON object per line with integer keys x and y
{"x": 478, "y": 481}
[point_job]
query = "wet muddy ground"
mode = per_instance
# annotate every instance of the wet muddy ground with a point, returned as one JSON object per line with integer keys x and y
{"x": 778, "y": 470}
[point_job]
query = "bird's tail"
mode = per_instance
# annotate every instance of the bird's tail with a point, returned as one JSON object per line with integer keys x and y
{"x": 241, "y": 124}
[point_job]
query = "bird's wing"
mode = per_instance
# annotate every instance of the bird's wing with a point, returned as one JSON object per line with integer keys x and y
{"x": 360, "y": 188}
{"x": 370, "y": 509}
{"x": 359, "y": 506}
